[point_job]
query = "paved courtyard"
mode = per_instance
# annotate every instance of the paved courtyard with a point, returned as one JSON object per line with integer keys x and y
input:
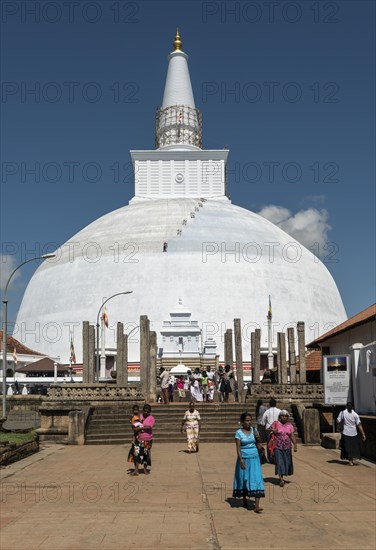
{"x": 83, "y": 498}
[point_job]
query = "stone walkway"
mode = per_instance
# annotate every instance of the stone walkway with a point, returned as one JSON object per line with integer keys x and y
{"x": 83, "y": 498}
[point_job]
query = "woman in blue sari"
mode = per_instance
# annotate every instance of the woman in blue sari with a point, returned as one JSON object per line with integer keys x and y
{"x": 248, "y": 480}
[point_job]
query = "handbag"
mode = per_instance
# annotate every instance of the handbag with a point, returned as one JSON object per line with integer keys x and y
{"x": 272, "y": 445}
{"x": 341, "y": 424}
{"x": 262, "y": 455}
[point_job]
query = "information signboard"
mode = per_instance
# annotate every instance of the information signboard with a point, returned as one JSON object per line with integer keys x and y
{"x": 336, "y": 375}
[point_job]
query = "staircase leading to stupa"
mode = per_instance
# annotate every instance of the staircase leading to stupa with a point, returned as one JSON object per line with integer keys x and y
{"x": 111, "y": 425}
{"x": 168, "y": 222}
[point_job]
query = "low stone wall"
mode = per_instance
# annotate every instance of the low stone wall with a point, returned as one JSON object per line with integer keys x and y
{"x": 288, "y": 392}
{"x": 94, "y": 393}
{"x": 12, "y": 453}
{"x": 24, "y": 402}
{"x": 65, "y": 410}
{"x": 308, "y": 422}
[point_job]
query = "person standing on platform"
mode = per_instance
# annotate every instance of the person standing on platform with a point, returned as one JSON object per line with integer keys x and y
{"x": 211, "y": 384}
{"x": 181, "y": 389}
{"x": 164, "y": 381}
{"x": 350, "y": 423}
{"x": 195, "y": 380}
{"x": 205, "y": 386}
{"x": 171, "y": 388}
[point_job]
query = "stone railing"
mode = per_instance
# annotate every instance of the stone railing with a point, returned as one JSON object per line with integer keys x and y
{"x": 282, "y": 392}
{"x": 93, "y": 392}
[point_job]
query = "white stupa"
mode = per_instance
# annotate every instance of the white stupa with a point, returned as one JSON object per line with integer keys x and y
{"x": 179, "y": 237}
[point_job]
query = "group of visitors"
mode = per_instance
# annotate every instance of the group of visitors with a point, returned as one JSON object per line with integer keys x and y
{"x": 201, "y": 385}
{"x": 276, "y": 428}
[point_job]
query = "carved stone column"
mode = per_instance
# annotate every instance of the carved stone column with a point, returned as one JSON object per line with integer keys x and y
{"x": 120, "y": 355}
{"x": 282, "y": 351}
{"x": 239, "y": 359}
{"x": 92, "y": 373}
{"x": 145, "y": 355}
{"x": 257, "y": 352}
{"x": 292, "y": 356}
{"x": 255, "y": 364}
{"x": 229, "y": 354}
{"x": 153, "y": 366}
{"x": 85, "y": 352}
{"x": 301, "y": 352}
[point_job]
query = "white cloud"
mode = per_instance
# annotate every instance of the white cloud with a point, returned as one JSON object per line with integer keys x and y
{"x": 7, "y": 265}
{"x": 309, "y": 227}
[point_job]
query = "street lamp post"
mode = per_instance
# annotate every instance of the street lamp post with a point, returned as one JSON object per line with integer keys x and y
{"x": 5, "y": 321}
{"x": 97, "y": 327}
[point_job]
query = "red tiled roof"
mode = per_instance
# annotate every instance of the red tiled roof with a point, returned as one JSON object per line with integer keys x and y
{"x": 20, "y": 348}
{"x": 43, "y": 365}
{"x": 313, "y": 359}
{"x": 366, "y": 315}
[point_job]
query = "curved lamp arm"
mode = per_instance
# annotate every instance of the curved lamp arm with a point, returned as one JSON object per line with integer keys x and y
{"x": 110, "y": 298}
{"x": 44, "y": 257}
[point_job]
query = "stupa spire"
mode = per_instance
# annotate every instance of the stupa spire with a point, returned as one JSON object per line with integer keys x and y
{"x": 178, "y": 44}
{"x": 178, "y": 121}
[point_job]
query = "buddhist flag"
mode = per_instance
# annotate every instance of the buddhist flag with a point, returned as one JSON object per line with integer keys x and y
{"x": 269, "y": 316}
{"x": 14, "y": 355}
{"x": 72, "y": 352}
{"x": 105, "y": 317}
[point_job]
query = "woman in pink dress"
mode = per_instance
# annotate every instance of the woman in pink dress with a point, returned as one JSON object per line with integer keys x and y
{"x": 285, "y": 441}
{"x": 140, "y": 453}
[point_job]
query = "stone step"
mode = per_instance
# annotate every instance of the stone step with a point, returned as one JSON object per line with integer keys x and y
{"x": 168, "y": 417}
{"x": 111, "y": 424}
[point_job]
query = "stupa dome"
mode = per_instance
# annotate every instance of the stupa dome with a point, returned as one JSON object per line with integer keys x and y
{"x": 179, "y": 237}
{"x": 223, "y": 265}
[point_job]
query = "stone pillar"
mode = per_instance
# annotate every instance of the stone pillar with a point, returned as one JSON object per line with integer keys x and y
{"x": 85, "y": 352}
{"x": 279, "y": 361}
{"x": 229, "y": 355}
{"x": 301, "y": 352}
{"x": 257, "y": 347}
{"x": 144, "y": 355}
{"x": 282, "y": 351}
{"x": 125, "y": 359}
{"x": 255, "y": 369}
{"x": 119, "y": 354}
{"x": 239, "y": 359}
{"x": 76, "y": 428}
{"x": 92, "y": 373}
{"x": 292, "y": 356}
{"x": 153, "y": 366}
{"x": 311, "y": 427}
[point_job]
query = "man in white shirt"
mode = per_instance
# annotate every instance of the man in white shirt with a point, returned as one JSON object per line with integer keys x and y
{"x": 270, "y": 416}
{"x": 164, "y": 377}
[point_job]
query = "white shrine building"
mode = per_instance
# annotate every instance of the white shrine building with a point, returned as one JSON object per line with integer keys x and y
{"x": 180, "y": 236}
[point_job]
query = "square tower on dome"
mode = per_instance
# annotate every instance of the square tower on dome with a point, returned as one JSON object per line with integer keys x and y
{"x": 179, "y": 167}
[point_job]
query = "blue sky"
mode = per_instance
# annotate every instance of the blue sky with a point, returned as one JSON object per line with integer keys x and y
{"x": 286, "y": 86}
